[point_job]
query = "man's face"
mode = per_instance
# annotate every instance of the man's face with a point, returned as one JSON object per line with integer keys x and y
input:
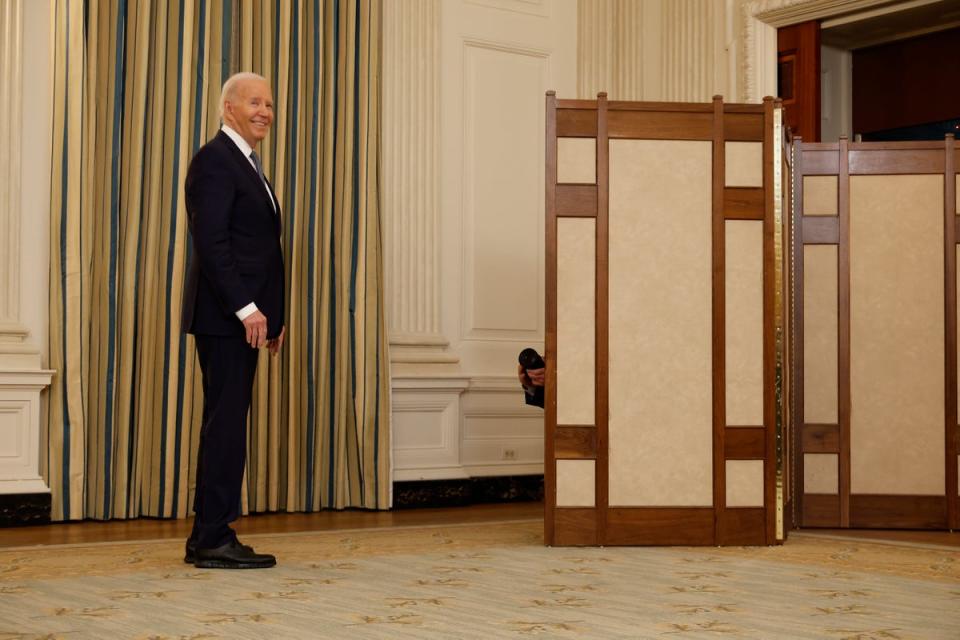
{"x": 250, "y": 111}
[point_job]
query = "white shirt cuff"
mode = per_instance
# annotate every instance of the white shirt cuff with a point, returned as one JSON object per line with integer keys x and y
{"x": 246, "y": 311}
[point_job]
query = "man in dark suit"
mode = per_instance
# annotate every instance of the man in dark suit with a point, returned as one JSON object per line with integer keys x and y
{"x": 233, "y": 305}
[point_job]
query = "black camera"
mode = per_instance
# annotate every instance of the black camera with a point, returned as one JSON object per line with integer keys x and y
{"x": 530, "y": 359}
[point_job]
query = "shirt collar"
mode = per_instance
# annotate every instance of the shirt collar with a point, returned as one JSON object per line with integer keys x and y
{"x": 238, "y": 140}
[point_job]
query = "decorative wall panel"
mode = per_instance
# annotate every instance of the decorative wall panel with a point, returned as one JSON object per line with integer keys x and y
{"x": 497, "y": 220}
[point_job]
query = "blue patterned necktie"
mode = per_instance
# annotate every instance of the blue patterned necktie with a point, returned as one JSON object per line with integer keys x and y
{"x": 259, "y": 168}
{"x": 257, "y": 165}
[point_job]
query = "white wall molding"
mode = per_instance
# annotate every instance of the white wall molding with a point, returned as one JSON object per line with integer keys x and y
{"x": 533, "y": 7}
{"x": 495, "y": 307}
{"x": 426, "y": 427}
{"x": 20, "y": 432}
{"x": 501, "y": 434}
{"x": 780, "y": 13}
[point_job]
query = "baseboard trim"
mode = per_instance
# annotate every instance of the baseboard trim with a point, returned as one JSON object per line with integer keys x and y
{"x": 22, "y": 509}
{"x": 461, "y": 492}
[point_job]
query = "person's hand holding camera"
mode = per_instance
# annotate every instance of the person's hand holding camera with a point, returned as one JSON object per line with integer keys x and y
{"x": 530, "y": 378}
{"x": 532, "y": 370}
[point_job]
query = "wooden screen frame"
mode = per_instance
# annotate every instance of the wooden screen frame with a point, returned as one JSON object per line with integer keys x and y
{"x": 717, "y": 123}
{"x": 842, "y": 160}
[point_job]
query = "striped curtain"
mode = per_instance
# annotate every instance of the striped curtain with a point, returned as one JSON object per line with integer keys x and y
{"x": 137, "y": 86}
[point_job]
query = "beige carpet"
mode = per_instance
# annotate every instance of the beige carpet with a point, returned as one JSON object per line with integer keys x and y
{"x": 483, "y": 581}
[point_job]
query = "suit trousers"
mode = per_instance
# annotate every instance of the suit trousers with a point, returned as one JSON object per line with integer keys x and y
{"x": 228, "y": 365}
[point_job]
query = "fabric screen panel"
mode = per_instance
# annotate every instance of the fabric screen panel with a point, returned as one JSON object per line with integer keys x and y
{"x": 744, "y": 483}
{"x": 821, "y": 473}
{"x": 576, "y": 321}
{"x": 576, "y": 483}
{"x": 820, "y": 196}
{"x": 744, "y": 322}
{"x": 660, "y": 426}
{"x": 820, "y": 340}
{"x": 137, "y": 95}
{"x": 577, "y": 160}
{"x": 743, "y": 164}
{"x": 897, "y": 335}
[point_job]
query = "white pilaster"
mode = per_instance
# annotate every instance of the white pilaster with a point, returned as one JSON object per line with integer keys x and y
{"x": 692, "y": 33}
{"x": 22, "y": 377}
{"x": 410, "y": 197}
{"x": 651, "y": 50}
{"x": 610, "y": 50}
{"x": 13, "y": 351}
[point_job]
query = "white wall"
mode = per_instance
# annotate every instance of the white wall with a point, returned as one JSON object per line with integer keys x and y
{"x": 836, "y": 93}
{"x": 463, "y": 213}
{"x": 464, "y": 84}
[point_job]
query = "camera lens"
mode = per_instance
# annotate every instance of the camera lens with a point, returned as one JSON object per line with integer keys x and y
{"x": 530, "y": 359}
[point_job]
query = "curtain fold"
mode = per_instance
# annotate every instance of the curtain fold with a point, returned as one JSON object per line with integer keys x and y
{"x": 136, "y": 93}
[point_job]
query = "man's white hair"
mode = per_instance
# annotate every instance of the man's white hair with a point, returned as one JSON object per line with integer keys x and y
{"x": 229, "y": 90}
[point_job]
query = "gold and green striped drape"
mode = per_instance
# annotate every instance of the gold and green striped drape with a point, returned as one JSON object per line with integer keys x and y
{"x": 137, "y": 85}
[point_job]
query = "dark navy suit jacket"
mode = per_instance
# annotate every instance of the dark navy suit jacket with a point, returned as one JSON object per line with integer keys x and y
{"x": 534, "y": 399}
{"x": 236, "y": 256}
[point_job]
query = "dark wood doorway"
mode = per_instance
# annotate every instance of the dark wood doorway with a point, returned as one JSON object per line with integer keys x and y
{"x": 798, "y": 78}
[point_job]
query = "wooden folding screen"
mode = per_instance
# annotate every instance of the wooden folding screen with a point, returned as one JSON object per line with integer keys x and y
{"x": 875, "y": 286}
{"x": 662, "y": 402}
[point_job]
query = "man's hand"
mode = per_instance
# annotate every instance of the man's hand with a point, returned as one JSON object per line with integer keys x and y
{"x": 275, "y": 344}
{"x": 531, "y": 377}
{"x": 256, "y": 326}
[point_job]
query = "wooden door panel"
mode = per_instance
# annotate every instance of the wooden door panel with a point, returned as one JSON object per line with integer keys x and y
{"x": 798, "y": 78}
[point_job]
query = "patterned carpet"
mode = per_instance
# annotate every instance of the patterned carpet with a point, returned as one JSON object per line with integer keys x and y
{"x": 483, "y": 581}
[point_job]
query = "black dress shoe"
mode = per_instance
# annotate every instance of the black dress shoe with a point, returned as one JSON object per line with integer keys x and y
{"x": 232, "y": 555}
{"x": 190, "y": 555}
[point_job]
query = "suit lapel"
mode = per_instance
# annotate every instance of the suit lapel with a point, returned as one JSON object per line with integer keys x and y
{"x": 276, "y": 202}
{"x": 250, "y": 172}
